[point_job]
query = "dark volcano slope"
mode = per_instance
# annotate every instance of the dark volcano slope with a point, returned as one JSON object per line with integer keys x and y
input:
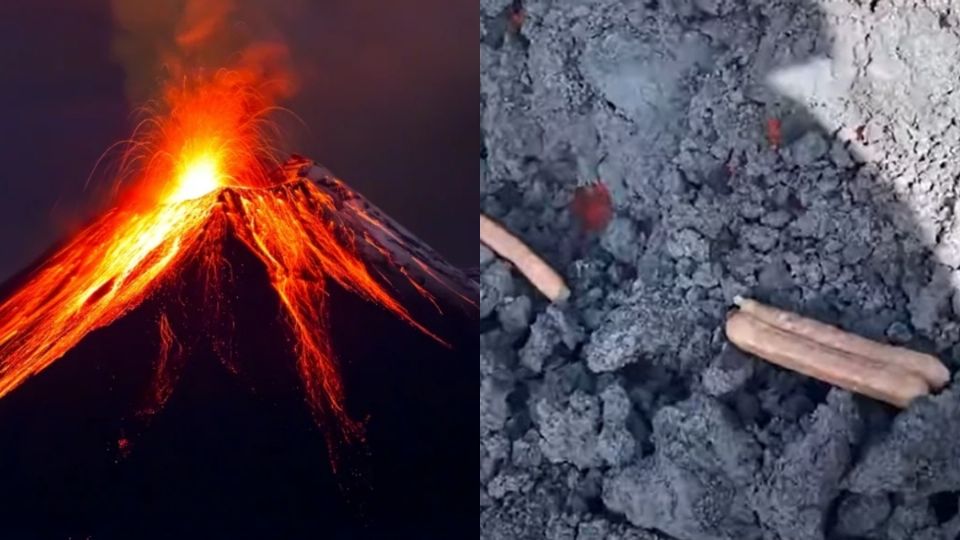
{"x": 235, "y": 452}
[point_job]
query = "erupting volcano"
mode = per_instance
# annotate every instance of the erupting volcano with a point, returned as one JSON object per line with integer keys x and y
{"x": 198, "y": 178}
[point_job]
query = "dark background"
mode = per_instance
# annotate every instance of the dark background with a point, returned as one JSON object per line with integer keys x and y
{"x": 388, "y": 91}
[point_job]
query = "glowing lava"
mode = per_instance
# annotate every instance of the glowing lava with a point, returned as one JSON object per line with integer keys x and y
{"x": 199, "y": 177}
{"x": 203, "y": 176}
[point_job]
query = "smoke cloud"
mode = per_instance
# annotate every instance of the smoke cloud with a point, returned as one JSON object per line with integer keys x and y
{"x": 161, "y": 41}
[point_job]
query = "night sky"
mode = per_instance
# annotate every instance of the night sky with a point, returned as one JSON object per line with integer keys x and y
{"x": 389, "y": 95}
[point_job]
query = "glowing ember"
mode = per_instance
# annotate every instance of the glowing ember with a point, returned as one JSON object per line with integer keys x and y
{"x": 203, "y": 178}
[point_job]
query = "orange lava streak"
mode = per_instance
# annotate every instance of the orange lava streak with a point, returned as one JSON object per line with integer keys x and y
{"x": 202, "y": 178}
{"x": 300, "y": 251}
{"x": 165, "y": 371}
{"x": 105, "y": 271}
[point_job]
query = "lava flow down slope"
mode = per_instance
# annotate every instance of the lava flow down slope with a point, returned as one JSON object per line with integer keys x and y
{"x": 236, "y": 345}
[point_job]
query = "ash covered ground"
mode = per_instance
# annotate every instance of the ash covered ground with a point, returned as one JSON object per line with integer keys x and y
{"x": 625, "y": 414}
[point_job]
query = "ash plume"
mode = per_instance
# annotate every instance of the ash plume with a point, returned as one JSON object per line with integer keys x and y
{"x": 162, "y": 41}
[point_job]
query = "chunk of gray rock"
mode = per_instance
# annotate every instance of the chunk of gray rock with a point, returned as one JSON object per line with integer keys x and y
{"x": 569, "y": 432}
{"x": 551, "y": 329}
{"x": 688, "y": 243}
{"x": 694, "y": 485}
{"x": 518, "y": 516}
{"x": 621, "y": 240}
{"x": 526, "y": 451}
{"x": 948, "y": 250}
{"x": 711, "y": 7}
{"x": 912, "y": 520}
{"x": 495, "y": 284}
{"x": 760, "y": 237}
{"x": 899, "y": 332}
{"x": 493, "y": 404}
{"x": 860, "y": 515}
{"x": 653, "y": 325}
{"x": 775, "y": 276}
{"x": 514, "y": 313}
{"x": 927, "y": 304}
{"x": 840, "y": 156}
{"x": 919, "y": 456}
{"x": 616, "y": 445}
{"x": 808, "y": 149}
{"x": 616, "y": 404}
{"x": 507, "y": 482}
{"x": 727, "y": 373}
{"x": 776, "y": 219}
{"x": 795, "y": 491}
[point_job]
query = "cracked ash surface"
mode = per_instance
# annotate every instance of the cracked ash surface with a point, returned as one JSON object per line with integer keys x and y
{"x": 625, "y": 414}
